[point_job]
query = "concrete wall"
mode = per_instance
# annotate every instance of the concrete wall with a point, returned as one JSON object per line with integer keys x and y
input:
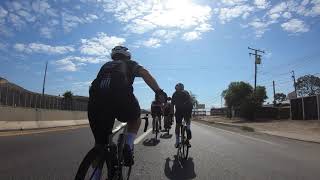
{"x": 31, "y": 114}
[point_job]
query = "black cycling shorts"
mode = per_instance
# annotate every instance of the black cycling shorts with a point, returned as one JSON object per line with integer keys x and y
{"x": 102, "y": 115}
{"x": 183, "y": 114}
{"x": 156, "y": 114}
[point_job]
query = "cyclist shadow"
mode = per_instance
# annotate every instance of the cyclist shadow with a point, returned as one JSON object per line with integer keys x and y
{"x": 183, "y": 170}
{"x": 166, "y": 136}
{"x": 151, "y": 142}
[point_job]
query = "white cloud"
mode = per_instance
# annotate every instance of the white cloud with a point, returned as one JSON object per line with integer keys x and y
{"x": 16, "y": 20}
{"x": 262, "y": 4}
{"x": 233, "y": 2}
{"x": 275, "y": 16}
{"x": 46, "y": 32}
{"x": 189, "y": 36}
{"x": 3, "y": 12}
{"x": 287, "y": 15}
{"x": 260, "y": 26}
{"x": 144, "y": 16}
{"x": 152, "y": 42}
{"x": 73, "y": 63}
{"x": 279, "y": 8}
{"x": 66, "y": 65}
{"x": 229, "y": 13}
{"x": 42, "y": 48}
{"x": 166, "y": 35}
{"x": 26, "y": 15}
{"x": 295, "y": 26}
{"x": 315, "y": 10}
{"x": 100, "y": 45}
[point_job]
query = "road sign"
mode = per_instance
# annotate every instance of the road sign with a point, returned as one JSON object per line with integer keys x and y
{"x": 201, "y": 106}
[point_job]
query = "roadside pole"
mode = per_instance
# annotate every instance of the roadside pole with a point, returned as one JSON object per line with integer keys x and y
{"x": 318, "y": 103}
{"x": 303, "y": 115}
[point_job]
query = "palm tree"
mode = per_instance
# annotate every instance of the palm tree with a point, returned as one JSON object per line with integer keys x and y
{"x": 194, "y": 99}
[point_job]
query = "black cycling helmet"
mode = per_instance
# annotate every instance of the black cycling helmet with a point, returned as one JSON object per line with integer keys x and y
{"x": 179, "y": 87}
{"x": 120, "y": 53}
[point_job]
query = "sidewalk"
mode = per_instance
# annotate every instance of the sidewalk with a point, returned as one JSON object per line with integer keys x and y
{"x": 308, "y": 130}
{"x": 29, "y": 125}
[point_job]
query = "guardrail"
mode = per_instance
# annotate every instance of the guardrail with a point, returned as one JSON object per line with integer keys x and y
{"x": 12, "y": 96}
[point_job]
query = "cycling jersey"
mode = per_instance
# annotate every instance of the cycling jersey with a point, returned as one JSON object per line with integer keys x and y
{"x": 156, "y": 109}
{"x": 182, "y": 100}
{"x": 111, "y": 96}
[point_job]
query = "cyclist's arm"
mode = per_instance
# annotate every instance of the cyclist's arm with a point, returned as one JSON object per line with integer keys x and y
{"x": 147, "y": 77}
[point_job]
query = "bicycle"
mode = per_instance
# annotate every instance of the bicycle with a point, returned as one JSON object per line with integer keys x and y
{"x": 110, "y": 154}
{"x": 156, "y": 126}
{"x": 183, "y": 146}
{"x": 167, "y": 123}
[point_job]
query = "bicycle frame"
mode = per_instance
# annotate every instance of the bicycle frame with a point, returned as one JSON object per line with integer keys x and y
{"x": 112, "y": 151}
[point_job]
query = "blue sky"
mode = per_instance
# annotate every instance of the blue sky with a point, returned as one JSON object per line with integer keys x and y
{"x": 200, "y": 43}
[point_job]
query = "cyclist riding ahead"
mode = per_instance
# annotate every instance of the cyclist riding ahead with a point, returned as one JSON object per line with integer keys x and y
{"x": 168, "y": 112}
{"x": 181, "y": 99}
{"x": 156, "y": 112}
{"x": 111, "y": 96}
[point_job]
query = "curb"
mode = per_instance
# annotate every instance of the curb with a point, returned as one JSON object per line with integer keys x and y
{"x": 42, "y": 128}
{"x": 302, "y": 140}
{"x": 34, "y": 125}
{"x": 240, "y": 126}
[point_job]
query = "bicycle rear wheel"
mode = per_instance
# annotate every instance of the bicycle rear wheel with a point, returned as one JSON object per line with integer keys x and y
{"x": 185, "y": 148}
{"x": 124, "y": 171}
{"x": 157, "y": 127}
{"x": 94, "y": 161}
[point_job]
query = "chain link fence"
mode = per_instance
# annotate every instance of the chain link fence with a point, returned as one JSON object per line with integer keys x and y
{"x": 10, "y": 95}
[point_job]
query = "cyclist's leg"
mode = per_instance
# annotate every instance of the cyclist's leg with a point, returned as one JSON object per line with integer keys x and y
{"x": 179, "y": 117}
{"x": 101, "y": 122}
{"x": 128, "y": 110}
{"x": 160, "y": 119}
{"x": 187, "y": 118}
{"x": 153, "y": 122}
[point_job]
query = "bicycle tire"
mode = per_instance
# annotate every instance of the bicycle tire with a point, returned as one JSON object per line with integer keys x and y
{"x": 123, "y": 170}
{"x": 157, "y": 127}
{"x": 185, "y": 148}
{"x": 88, "y": 160}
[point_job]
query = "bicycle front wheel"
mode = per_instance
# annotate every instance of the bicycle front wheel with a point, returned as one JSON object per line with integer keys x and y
{"x": 94, "y": 165}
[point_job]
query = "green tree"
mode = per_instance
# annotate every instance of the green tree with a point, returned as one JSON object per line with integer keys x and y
{"x": 236, "y": 93}
{"x": 260, "y": 95}
{"x": 240, "y": 95}
{"x": 193, "y": 99}
{"x": 68, "y": 95}
{"x": 279, "y": 97}
{"x": 308, "y": 85}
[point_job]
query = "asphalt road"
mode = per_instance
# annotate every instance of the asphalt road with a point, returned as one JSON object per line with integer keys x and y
{"x": 215, "y": 154}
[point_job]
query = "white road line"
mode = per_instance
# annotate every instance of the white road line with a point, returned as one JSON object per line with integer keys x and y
{"x": 249, "y": 137}
{"x": 138, "y": 139}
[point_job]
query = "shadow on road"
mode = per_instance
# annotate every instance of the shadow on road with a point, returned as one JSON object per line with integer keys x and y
{"x": 165, "y": 136}
{"x": 151, "y": 142}
{"x": 185, "y": 170}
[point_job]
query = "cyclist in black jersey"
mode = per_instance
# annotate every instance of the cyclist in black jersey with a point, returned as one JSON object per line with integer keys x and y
{"x": 156, "y": 111}
{"x": 181, "y": 99}
{"x": 111, "y": 96}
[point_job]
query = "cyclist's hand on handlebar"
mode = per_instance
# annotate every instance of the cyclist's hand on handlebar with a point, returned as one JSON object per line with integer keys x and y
{"x": 161, "y": 96}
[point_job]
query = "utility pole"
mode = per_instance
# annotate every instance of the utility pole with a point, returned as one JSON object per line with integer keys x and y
{"x": 44, "y": 83}
{"x": 274, "y": 93}
{"x": 256, "y": 62}
{"x": 294, "y": 83}
{"x": 44, "y": 78}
